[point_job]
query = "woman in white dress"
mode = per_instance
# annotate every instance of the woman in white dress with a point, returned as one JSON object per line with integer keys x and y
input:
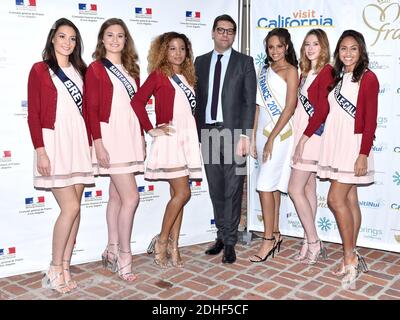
{"x": 272, "y": 134}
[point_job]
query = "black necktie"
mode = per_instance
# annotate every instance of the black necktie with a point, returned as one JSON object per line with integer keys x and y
{"x": 215, "y": 92}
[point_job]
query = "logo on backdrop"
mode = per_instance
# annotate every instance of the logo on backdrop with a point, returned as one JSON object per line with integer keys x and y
{"x": 293, "y": 220}
{"x": 371, "y": 233}
{"x": 26, "y": 9}
{"x": 382, "y": 122}
{"x": 88, "y": 12}
{"x": 379, "y": 147}
{"x": 396, "y": 178}
{"x": 93, "y": 199}
{"x": 143, "y": 16}
{"x": 383, "y": 17}
{"x": 395, "y": 206}
{"x": 396, "y": 149}
{"x": 326, "y": 224}
{"x": 371, "y": 204}
{"x": 322, "y": 201}
{"x": 192, "y": 19}
{"x": 6, "y": 160}
{"x": 8, "y": 257}
{"x": 147, "y": 193}
{"x": 34, "y": 205}
{"x": 196, "y": 188}
{"x": 213, "y": 228}
{"x": 150, "y": 107}
{"x": 22, "y": 109}
{"x": 296, "y": 19}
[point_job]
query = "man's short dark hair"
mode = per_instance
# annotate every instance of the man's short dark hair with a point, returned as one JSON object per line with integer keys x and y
{"x": 224, "y": 17}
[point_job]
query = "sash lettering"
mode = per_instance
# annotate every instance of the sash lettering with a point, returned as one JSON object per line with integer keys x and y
{"x": 271, "y": 105}
{"x": 72, "y": 88}
{"x": 345, "y": 104}
{"x": 114, "y": 70}
{"x": 189, "y": 94}
{"x": 308, "y": 107}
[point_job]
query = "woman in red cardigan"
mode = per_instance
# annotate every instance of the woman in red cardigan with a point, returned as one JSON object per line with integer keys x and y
{"x": 312, "y": 106}
{"x": 111, "y": 81}
{"x": 175, "y": 152}
{"x": 56, "y": 114}
{"x": 346, "y": 158}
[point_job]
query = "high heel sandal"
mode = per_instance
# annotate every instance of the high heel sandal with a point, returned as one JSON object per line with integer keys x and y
{"x": 54, "y": 283}
{"x": 160, "y": 256}
{"x": 67, "y": 276}
{"x": 351, "y": 271}
{"x": 279, "y": 240}
{"x": 271, "y": 251}
{"x": 173, "y": 251}
{"x": 313, "y": 257}
{"x": 303, "y": 251}
{"x": 127, "y": 276}
{"x": 107, "y": 263}
{"x": 361, "y": 262}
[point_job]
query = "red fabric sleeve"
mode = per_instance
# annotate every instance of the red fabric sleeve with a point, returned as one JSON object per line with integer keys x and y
{"x": 34, "y": 108}
{"x": 92, "y": 94}
{"x": 139, "y": 101}
{"x": 370, "y": 90}
{"x": 321, "y": 107}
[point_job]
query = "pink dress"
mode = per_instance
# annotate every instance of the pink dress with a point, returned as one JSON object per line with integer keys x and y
{"x": 177, "y": 155}
{"x": 340, "y": 146}
{"x": 67, "y": 145}
{"x": 309, "y": 159}
{"x": 121, "y": 135}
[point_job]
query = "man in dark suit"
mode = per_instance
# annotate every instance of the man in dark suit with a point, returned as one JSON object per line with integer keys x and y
{"x": 226, "y": 104}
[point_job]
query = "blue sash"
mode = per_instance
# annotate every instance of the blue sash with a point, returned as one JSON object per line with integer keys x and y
{"x": 72, "y": 88}
{"x": 345, "y": 104}
{"x": 189, "y": 94}
{"x": 114, "y": 70}
{"x": 308, "y": 107}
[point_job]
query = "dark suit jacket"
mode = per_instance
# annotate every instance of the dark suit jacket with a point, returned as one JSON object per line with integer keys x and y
{"x": 238, "y": 91}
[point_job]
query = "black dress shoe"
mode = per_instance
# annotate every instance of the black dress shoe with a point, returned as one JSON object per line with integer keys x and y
{"x": 216, "y": 247}
{"x": 229, "y": 254}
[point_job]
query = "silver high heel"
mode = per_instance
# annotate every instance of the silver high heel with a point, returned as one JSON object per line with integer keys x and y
{"x": 300, "y": 256}
{"x": 107, "y": 263}
{"x": 160, "y": 257}
{"x": 313, "y": 257}
{"x": 127, "y": 276}
{"x": 361, "y": 262}
{"x": 70, "y": 283}
{"x": 51, "y": 283}
{"x": 173, "y": 251}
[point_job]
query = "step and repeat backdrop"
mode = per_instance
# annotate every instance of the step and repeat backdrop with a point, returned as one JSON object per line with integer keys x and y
{"x": 379, "y": 21}
{"x": 27, "y": 216}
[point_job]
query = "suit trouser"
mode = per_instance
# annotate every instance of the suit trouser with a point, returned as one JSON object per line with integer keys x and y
{"x": 225, "y": 182}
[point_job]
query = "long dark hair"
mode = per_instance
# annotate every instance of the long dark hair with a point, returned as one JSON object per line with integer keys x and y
{"x": 129, "y": 56}
{"x": 362, "y": 63}
{"x": 285, "y": 39}
{"x": 75, "y": 58}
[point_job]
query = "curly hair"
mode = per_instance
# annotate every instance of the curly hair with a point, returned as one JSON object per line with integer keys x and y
{"x": 49, "y": 54}
{"x": 285, "y": 39}
{"x": 157, "y": 58}
{"x": 324, "y": 56}
{"x": 129, "y": 56}
{"x": 362, "y": 63}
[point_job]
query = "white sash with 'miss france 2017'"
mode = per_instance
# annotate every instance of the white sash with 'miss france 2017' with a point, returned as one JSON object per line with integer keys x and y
{"x": 272, "y": 106}
{"x": 308, "y": 108}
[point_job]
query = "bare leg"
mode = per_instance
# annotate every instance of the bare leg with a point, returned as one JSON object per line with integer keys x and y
{"x": 268, "y": 210}
{"x": 125, "y": 185}
{"x": 354, "y": 206}
{"x": 71, "y": 241}
{"x": 69, "y": 203}
{"x": 303, "y": 193}
{"x": 338, "y": 203}
{"x": 173, "y": 242}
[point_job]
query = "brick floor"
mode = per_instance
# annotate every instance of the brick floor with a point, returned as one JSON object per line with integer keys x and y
{"x": 205, "y": 277}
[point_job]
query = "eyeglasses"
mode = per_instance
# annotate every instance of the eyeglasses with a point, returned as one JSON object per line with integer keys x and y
{"x": 230, "y": 31}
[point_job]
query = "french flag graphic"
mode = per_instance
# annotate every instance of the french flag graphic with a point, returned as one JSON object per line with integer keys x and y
{"x": 88, "y": 7}
{"x": 195, "y": 183}
{"x": 193, "y": 14}
{"x": 146, "y": 188}
{"x": 7, "y": 154}
{"x": 26, "y": 3}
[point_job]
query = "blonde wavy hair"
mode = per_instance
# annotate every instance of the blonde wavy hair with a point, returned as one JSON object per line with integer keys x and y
{"x": 157, "y": 58}
{"x": 324, "y": 56}
{"x": 129, "y": 56}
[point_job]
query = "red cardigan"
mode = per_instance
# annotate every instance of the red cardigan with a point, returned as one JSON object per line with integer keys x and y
{"x": 318, "y": 97}
{"x": 42, "y": 103}
{"x": 157, "y": 84}
{"x": 99, "y": 93}
{"x": 366, "y": 111}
